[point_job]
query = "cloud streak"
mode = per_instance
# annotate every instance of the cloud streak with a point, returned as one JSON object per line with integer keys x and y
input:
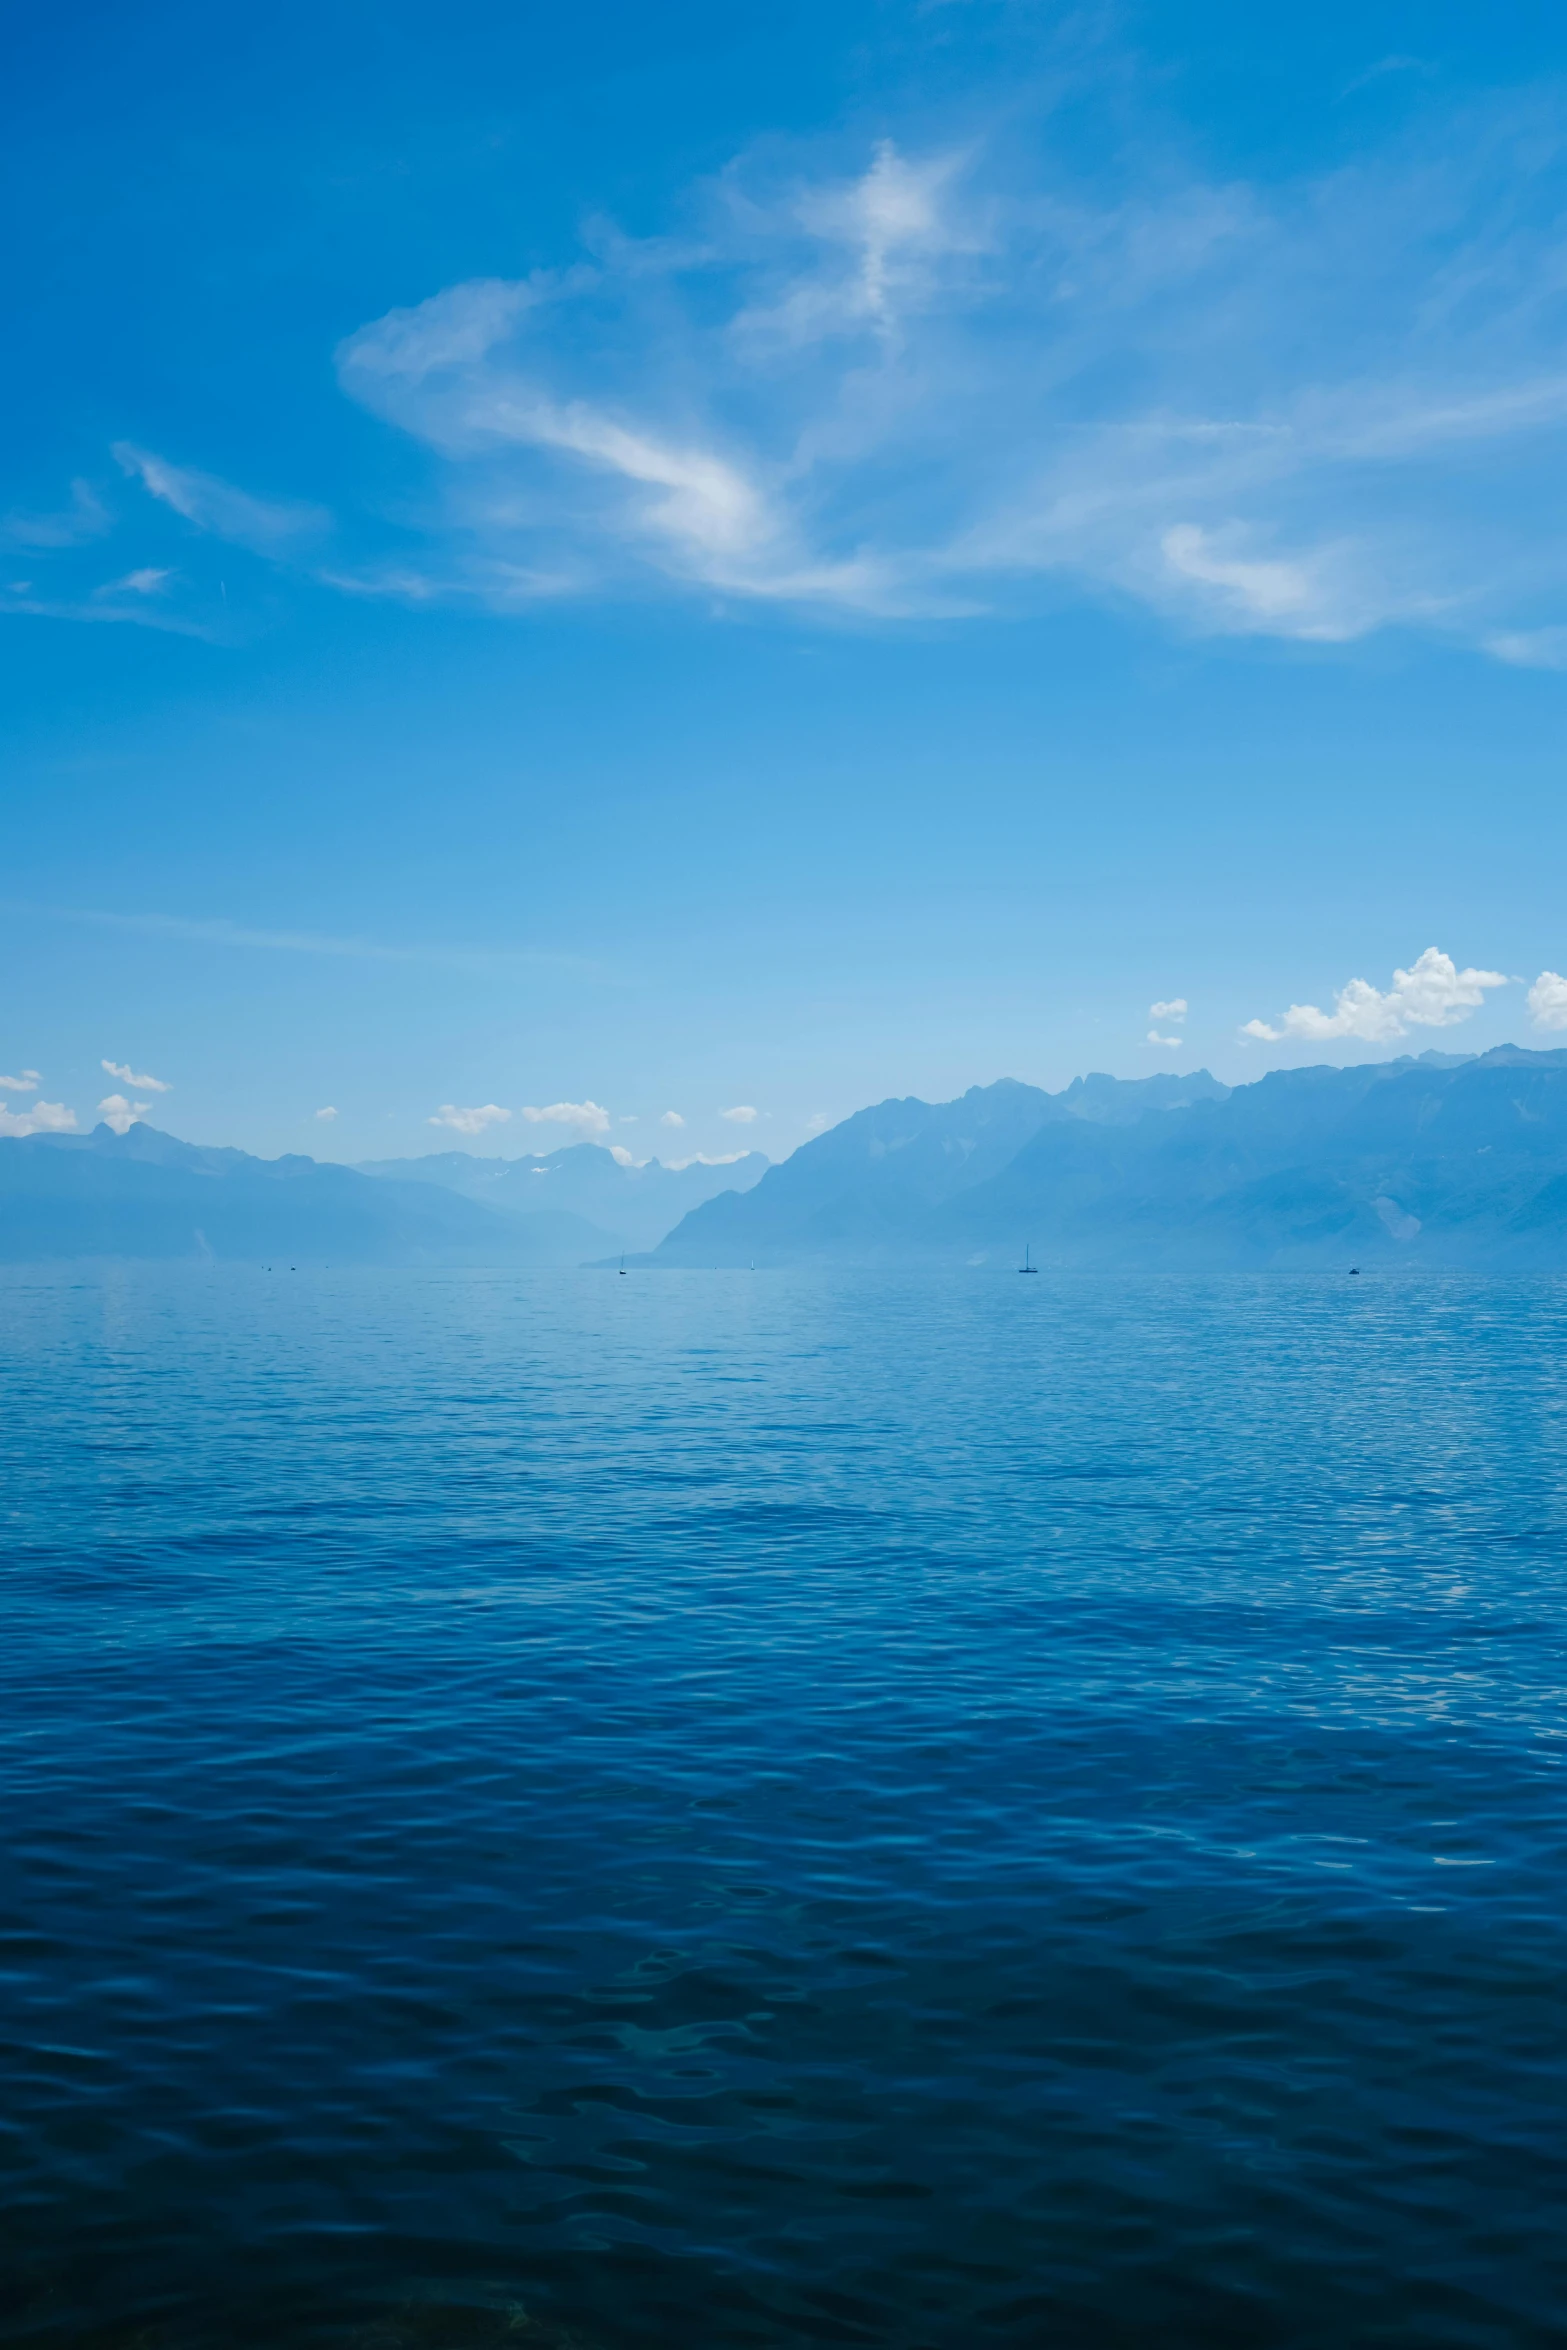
{"x": 264, "y": 526}
{"x": 222, "y": 933}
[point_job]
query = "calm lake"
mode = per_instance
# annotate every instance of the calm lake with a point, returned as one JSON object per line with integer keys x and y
{"x": 724, "y": 1809}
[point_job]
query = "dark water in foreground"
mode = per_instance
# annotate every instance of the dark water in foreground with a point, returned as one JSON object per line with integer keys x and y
{"x": 722, "y": 1809}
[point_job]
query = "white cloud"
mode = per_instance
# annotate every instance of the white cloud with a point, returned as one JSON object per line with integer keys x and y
{"x": 586, "y": 1117}
{"x": 818, "y": 1122}
{"x": 1175, "y": 1009}
{"x": 878, "y": 235}
{"x": 470, "y": 1121}
{"x": 671, "y": 1118}
{"x": 1155, "y": 1038}
{"x": 1433, "y": 993}
{"x": 327, "y": 1113}
{"x": 624, "y": 1158}
{"x": 741, "y": 1115}
{"x": 266, "y": 527}
{"x": 149, "y": 581}
{"x": 85, "y": 518}
{"x": 119, "y": 1114}
{"x": 1529, "y": 648}
{"x": 1275, "y": 596}
{"x": 123, "y": 1071}
{"x": 38, "y": 1118}
{"x": 26, "y": 1083}
{"x": 707, "y": 1159}
{"x": 17, "y": 598}
{"x": 947, "y": 378}
{"x": 1548, "y": 1001}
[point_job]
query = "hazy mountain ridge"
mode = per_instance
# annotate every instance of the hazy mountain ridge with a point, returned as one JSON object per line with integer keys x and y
{"x": 1442, "y": 1160}
{"x": 147, "y": 1194}
{"x": 639, "y": 1203}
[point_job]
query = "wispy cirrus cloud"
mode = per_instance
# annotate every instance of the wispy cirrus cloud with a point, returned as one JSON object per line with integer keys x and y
{"x": 264, "y": 526}
{"x": 149, "y": 580}
{"x": 950, "y": 379}
{"x": 219, "y": 932}
{"x": 84, "y": 517}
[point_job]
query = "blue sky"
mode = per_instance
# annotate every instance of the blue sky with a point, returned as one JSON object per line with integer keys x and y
{"x": 627, "y": 562}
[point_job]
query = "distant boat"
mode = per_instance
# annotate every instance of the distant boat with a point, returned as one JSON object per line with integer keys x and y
{"x": 1025, "y": 1266}
{"x": 622, "y": 1268}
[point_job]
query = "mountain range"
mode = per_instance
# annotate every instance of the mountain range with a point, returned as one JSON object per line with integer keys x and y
{"x": 1447, "y": 1159}
{"x": 638, "y": 1203}
{"x": 1442, "y": 1160}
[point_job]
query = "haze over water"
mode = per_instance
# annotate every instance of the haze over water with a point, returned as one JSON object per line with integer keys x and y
{"x": 783, "y": 1809}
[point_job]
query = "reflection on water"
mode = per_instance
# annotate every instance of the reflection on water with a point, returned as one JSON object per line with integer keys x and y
{"x": 705, "y": 1809}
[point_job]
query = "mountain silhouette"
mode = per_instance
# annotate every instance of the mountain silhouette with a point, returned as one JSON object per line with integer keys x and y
{"x": 1441, "y": 1160}
{"x": 639, "y": 1203}
{"x": 147, "y": 1194}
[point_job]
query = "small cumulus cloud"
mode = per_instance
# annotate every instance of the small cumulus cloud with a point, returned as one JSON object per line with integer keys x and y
{"x": 470, "y": 1121}
{"x": 127, "y": 1076}
{"x": 1432, "y": 993}
{"x": 1548, "y": 1001}
{"x": 1155, "y": 1038}
{"x": 708, "y": 1159}
{"x": 120, "y": 1115}
{"x": 26, "y": 1083}
{"x": 1175, "y": 1009}
{"x": 818, "y": 1122}
{"x": 671, "y": 1118}
{"x": 327, "y": 1113}
{"x": 587, "y": 1117}
{"x": 38, "y": 1118}
{"x": 624, "y": 1158}
{"x": 741, "y": 1115}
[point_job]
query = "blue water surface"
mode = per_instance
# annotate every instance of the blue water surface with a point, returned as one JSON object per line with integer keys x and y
{"x": 725, "y": 1809}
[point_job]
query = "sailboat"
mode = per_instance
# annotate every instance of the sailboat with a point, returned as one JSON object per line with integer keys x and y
{"x": 622, "y": 1268}
{"x": 1025, "y": 1266}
